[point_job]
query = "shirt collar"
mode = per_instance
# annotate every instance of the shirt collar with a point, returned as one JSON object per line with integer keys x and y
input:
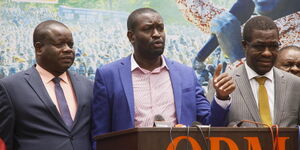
{"x": 252, "y": 74}
{"x": 47, "y": 76}
{"x": 134, "y": 64}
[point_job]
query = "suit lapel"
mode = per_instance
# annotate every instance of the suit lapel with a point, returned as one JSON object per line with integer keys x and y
{"x": 78, "y": 94}
{"x": 34, "y": 80}
{"x": 176, "y": 82}
{"x": 126, "y": 79}
{"x": 280, "y": 94}
{"x": 245, "y": 89}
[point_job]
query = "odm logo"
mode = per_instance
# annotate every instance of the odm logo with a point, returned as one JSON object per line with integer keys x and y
{"x": 253, "y": 143}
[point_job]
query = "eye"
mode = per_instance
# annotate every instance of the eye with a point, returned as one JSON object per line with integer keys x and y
{"x": 160, "y": 28}
{"x": 274, "y": 46}
{"x": 147, "y": 28}
{"x": 71, "y": 44}
{"x": 259, "y": 46}
{"x": 287, "y": 64}
{"x": 60, "y": 45}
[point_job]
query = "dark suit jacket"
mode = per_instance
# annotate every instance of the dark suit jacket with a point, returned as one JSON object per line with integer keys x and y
{"x": 113, "y": 104}
{"x": 29, "y": 119}
{"x": 287, "y": 99}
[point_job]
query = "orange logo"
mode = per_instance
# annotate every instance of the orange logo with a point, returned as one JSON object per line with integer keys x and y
{"x": 253, "y": 143}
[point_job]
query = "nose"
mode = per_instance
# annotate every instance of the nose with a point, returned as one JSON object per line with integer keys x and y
{"x": 68, "y": 49}
{"x": 156, "y": 33}
{"x": 294, "y": 69}
{"x": 267, "y": 52}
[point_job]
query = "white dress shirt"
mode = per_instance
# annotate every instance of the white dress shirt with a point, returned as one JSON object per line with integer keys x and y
{"x": 269, "y": 84}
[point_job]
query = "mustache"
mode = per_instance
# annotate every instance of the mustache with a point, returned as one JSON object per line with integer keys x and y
{"x": 68, "y": 57}
{"x": 159, "y": 41}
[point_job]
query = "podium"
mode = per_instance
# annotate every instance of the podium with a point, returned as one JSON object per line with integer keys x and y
{"x": 192, "y": 138}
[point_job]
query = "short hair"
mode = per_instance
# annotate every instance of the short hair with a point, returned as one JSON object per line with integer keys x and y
{"x": 258, "y": 23}
{"x": 290, "y": 47}
{"x": 39, "y": 33}
{"x": 131, "y": 21}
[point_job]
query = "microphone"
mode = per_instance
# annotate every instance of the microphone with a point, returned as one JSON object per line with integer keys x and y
{"x": 199, "y": 125}
{"x": 195, "y": 123}
{"x": 159, "y": 118}
{"x": 238, "y": 124}
{"x": 160, "y": 122}
{"x": 241, "y": 122}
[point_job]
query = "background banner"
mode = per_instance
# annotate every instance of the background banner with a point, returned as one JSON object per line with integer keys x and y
{"x": 194, "y": 29}
{"x": 37, "y": 1}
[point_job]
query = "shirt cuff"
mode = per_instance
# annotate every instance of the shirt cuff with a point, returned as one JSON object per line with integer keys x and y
{"x": 223, "y": 103}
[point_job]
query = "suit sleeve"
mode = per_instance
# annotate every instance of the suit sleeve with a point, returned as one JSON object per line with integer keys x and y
{"x": 6, "y": 118}
{"x": 101, "y": 115}
{"x": 207, "y": 113}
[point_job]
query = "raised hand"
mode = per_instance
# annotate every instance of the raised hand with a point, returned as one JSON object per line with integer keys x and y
{"x": 223, "y": 83}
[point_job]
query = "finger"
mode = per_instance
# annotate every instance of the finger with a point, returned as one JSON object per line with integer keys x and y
{"x": 230, "y": 88}
{"x": 218, "y": 71}
{"x": 226, "y": 85}
{"x": 224, "y": 77}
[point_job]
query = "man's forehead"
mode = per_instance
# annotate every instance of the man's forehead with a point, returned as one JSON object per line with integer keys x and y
{"x": 149, "y": 17}
{"x": 271, "y": 34}
{"x": 290, "y": 53}
{"x": 58, "y": 33}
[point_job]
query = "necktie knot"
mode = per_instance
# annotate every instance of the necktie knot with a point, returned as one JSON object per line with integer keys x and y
{"x": 261, "y": 80}
{"x": 56, "y": 80}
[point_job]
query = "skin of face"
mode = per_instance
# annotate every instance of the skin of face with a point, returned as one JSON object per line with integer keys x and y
{"x": 148, "y": 36}
{"x": 289, "y": 61}
{"x": 262, "y": 51}
{"x": 55, "y": 53}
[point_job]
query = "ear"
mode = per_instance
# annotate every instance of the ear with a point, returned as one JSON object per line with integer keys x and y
{"x": 131, "y": 36}
{"x": 244, "y": 43}
{"x": 38, "y": 48}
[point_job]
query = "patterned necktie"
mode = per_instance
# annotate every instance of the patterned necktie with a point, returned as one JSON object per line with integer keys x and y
{"x": 62, "y": 103}
{"x": 263, "y": 102}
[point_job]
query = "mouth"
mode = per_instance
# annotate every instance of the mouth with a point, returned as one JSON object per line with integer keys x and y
{"x": 265, "y": 62}
{"x": 158, "y": 44}
{"x": 67, "y": 59}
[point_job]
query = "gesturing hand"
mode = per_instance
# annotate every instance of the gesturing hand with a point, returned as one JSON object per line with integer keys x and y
{"x": 223, "y": 83}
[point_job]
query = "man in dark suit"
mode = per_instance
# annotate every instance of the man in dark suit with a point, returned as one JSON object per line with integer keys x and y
{"x": 129, "y": 92}
{"x": 47, "y": 107}
{"x": 264, "y": 93}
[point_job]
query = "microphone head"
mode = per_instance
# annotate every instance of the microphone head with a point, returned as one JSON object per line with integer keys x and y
{"x": 196, "y": 123}
{"x": 159, "y": 121}
{"x": 239, "y": 123}
{"x": 159, "y": 118}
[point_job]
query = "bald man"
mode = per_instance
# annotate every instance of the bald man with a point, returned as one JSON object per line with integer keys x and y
{"x": 289, "y": 60}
